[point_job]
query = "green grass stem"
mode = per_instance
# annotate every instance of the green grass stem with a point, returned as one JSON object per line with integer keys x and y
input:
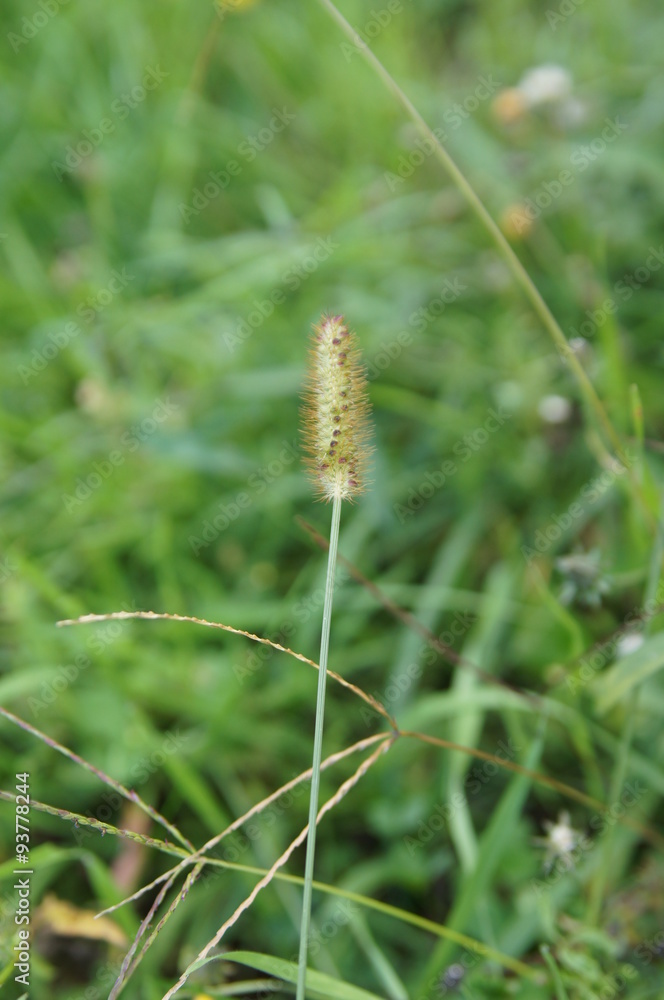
{"x": 318, "y": 750}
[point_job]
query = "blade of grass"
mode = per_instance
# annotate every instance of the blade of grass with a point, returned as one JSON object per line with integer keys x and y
{"x": 78, "y": 820}
{"x": 466, "y": 727}
{"x": 196, "y": 792}
{"x": 164, "y": 616}
{"x": 131, "y": 795}
{"x": 383, "y": 968}
{"x": 492, "y": 846}
{"x": 556, "y": 978}
{"x": 321, "y": 985}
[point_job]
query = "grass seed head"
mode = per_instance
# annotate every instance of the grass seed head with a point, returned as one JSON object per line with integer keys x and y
{"x": 336, "y": 412}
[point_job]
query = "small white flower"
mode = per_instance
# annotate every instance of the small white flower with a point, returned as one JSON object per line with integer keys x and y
{"x": 555, "y": 409}
{"x": 629, "y": 643}
{"x": 548, "y": 84}
{"x": 562, "y": 837}
{"x": 560, "y": 842}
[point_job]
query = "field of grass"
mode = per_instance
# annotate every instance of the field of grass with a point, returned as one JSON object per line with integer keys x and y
{"x": 184, "y": 189}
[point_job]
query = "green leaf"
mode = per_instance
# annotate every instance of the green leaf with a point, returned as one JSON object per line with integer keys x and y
{"x": 318, "y": 984}
{"x": 492, "y": 847}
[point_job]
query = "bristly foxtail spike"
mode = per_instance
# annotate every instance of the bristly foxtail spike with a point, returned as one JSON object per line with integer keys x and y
{"x": 336, "y": 412}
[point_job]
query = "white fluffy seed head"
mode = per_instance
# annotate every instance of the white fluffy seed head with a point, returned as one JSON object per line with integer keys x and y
{"x": 336, "y": 412}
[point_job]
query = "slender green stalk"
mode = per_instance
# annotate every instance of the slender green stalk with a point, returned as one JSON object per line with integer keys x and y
{"x": 318, "y": 750}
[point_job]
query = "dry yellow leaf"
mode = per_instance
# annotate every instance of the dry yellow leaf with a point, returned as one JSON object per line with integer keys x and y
{"x": 61, "y": 917}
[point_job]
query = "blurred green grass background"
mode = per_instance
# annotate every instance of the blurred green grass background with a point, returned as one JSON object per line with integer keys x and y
{"x": 127, "y": 433}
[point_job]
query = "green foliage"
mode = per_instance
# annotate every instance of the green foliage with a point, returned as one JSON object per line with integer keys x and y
{"x": 154, "y": 345}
